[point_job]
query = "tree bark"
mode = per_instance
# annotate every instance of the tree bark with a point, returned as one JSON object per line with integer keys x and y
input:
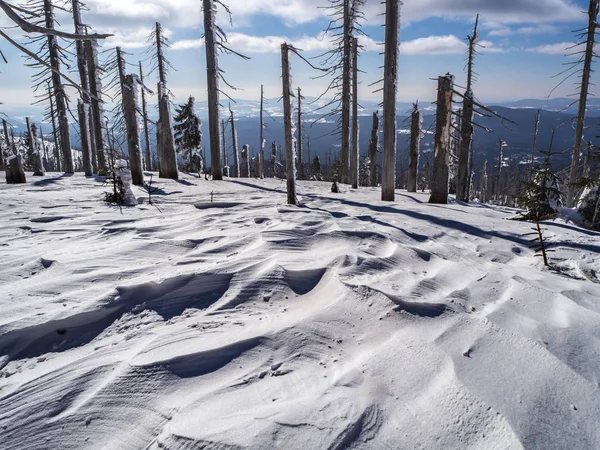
{"x": 354, "y": 162}
{"x": 496, "y": 190}
{"x": 583, "y": 94}
{"x": 587, "y": 159}
{"x": 299, "y": 141}
{"x": 413, "y": 156}
{"x": 466, "y": 137}
{"x": 224, "y": 142}
{"x": 390, "y": 79}
{"x": 56, "y": 152}
{"x": 85, "y": 144}
{"x": 97, "y": 111}
{"x": 167, "y": 158}
{"x": 212, "y": 74}
{"x": 346, "y": 91}
{"x": 5, "y": 152}
{"x": 439, "y": 182}
{"x": 373, "y": 144}
{"x": 14, "y": 170}
{"x": 59, "y": 92}
{"x": 261, "y": 162}
{"x": 130, "y": 103}
{"x": 245, "y": 169}
{"x": 287, "y": 126}
{"x": 533, "y": 147}
{"x": 145, "y": 122}
{"x": 36, "y": 159}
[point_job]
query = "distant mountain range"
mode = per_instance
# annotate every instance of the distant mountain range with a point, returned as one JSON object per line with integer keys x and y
{"x": 324, "y": 141}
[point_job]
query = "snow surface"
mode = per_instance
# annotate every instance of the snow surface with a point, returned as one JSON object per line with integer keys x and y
{"x": 342, "y": 323}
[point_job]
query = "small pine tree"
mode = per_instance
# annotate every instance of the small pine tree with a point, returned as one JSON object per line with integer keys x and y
{"x": 542, "y": 196}
{"x": 188, "y": 135}
{"x": 315, "y": 171}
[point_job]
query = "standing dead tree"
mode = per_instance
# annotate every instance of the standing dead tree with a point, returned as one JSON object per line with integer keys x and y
{"x": 354, "y": 164}
{"x": 390, "y": 88}
{"x": 234, "y": 143}
{"x": 535, "y": 136}
{"x": 439, "y": 182}
{"x": 215, "y": 40}
{"x": 148, "y": 150}
{"x": 97, "y": 117}
{"x": 466, "y": 122}
{"x": 261, "y": 155}
{"x": 130, "y": 108}
{"x": 226, "y": 171}
{"x": 299, "y": 140}
{"x": 373, "y": 146}
{"x": 413, "y": 156}
{"x": 287, "y": 126}
{"x": 165, "y": 143}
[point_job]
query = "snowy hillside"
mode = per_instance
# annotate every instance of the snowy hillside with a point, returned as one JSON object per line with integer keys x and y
{"x": 246, "y": 323}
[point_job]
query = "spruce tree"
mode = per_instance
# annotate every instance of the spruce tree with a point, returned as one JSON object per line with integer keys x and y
{"x": 188, "y": 136}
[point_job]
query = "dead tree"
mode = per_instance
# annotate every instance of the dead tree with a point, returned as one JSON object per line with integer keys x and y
{"x": 299, "y": 140}
{"x": 224, "y": 142}
{"x": 373, "y": 145}
{"x": 287, "y": 126}
{"x": 413, "y": 155}
{"x": 148, "y": 152}
{"x": 535, "y": 135}
{"x": 354, "y": 165}
{"x": 245, "y": 168}
{"x": 261, "y": 157}
{"x": 496, "y": 189}
{"x": 587, "y": 159}
{"x": 54, "y": 130}
{"x": 130, "y": 108}
{"x": 236, "y": 162}
{"x": 593, "y": 10}
{"x": 14, "y": 170}
{"x": 165, "y": 144}
{"x": 86, "y": 131}
{"x": 97, "y": 111}
{"x": 439, "y": 182}
{"x": 273, "y": 158}
{"x": 215, "y": 40}
{"x": 36, "y": 162}
{"x": 390, "y": 79}
{"x": 466, "y": 122}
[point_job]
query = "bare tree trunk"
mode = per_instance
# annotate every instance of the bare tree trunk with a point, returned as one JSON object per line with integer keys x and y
{"x": 59, "y": 92}
{"x": 290, "y": 158}
{"x": 373, "y": 143}
{"x": 236, "y": 156}
{"x": 496, "y": 192}
{"x": 439, "y": 182}
{"x": 583, "y": 94}
{"x": 95, "y": 77}
{"x": 130, "y": 103}
{"x": 533, "y": 147}
{"x": 85, "y": 144}
{"x": 6, "y": 150}
{"x": 54, "y": 131}
{"x": 145, "y": 123}
{"x": 14, "y": 170}
{"x": 273, "y": 158}
{"x": 346, "y": 75}
{"x": 224, "y": 142}
{"x": 415, "y": 141}
{"x": 354, "y": 162}
{"x": 390, "y": 78}
{"x": 245, "y": 169}
{"x": 212, "y": 74}
{"x": 308, "y": 150}
{"x": 299, "y": 141}
{"x": 35, "y": 159}
{"x": 88, "y": 147}
{"x": 261, "y": 162}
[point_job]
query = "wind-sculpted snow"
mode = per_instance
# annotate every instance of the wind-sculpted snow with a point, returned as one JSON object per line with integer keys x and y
{"x": 222, "y": 318}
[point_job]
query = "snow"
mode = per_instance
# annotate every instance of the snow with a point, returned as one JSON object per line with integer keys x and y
{"x": 346, "y": 322}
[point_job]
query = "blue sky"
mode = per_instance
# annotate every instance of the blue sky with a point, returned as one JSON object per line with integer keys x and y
{"x": 524, "y": 45}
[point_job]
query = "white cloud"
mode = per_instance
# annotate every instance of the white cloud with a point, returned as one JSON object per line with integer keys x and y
{"x": 137, "y": 38}
{"x": 433, "y": 45}
{"x": 528, "y": 30}
{"x": 559, "y": 48}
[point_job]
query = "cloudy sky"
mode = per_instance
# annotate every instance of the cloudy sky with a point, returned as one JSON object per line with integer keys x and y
{"x": 523, "y": 43}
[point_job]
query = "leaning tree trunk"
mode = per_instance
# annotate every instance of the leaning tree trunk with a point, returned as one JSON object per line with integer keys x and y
{"x": 145, "y": 123}
{"x": 390, "y": 78}
{"x": 97, "y": 116}
{"x": 245, "y": 169}
{"x": 85, "y": 138}
{"x": 355, "y": 152}
{"x": 439, "y": 182}
{"x": 86, "y": 130}
{"x": 287, "y": 126}
{"x": 212, "y": 78}
{"x": 130, "y": 107}
{"x": 59, "y": 91}
{"x": 583, "y": 94}
{"x": 261, "y": 162}
{"x": 236, "y": 161}
{"x": 413, "y": 156}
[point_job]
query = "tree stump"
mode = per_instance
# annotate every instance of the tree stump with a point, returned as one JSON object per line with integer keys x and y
{"x": 14, "y": 170}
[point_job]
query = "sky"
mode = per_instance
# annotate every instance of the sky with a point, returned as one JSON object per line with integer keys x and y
{"x": 523, "y": 45}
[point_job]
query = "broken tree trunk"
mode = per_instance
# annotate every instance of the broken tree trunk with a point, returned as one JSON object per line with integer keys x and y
{"x": 354, "y": 167}
{"x": 236, "y": 162}
{"x": 583, "y": 95}
{"x": 5, "y": 152}
{"x": 37, "y": 164}
{"x": 587, "y": 159}
{"x": 390, "y": 78}
{"x": 439, "y": 181}
{"x": 245, "y": 168}
{"x": 212, "y": 74}
{"x": 85, "y": 143}
{"x": 290, "y": 158}
{"x": 413, "y": 155}
{"x": 373, "y": 143}
{"x": 167, "y": 157}
{"x": 97, "y": 115}
{"x": 130, "y": 103}
{"x": 14, "y": 170}
{"x": 59, "y": 92}
{"x": 148, "y": 152}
